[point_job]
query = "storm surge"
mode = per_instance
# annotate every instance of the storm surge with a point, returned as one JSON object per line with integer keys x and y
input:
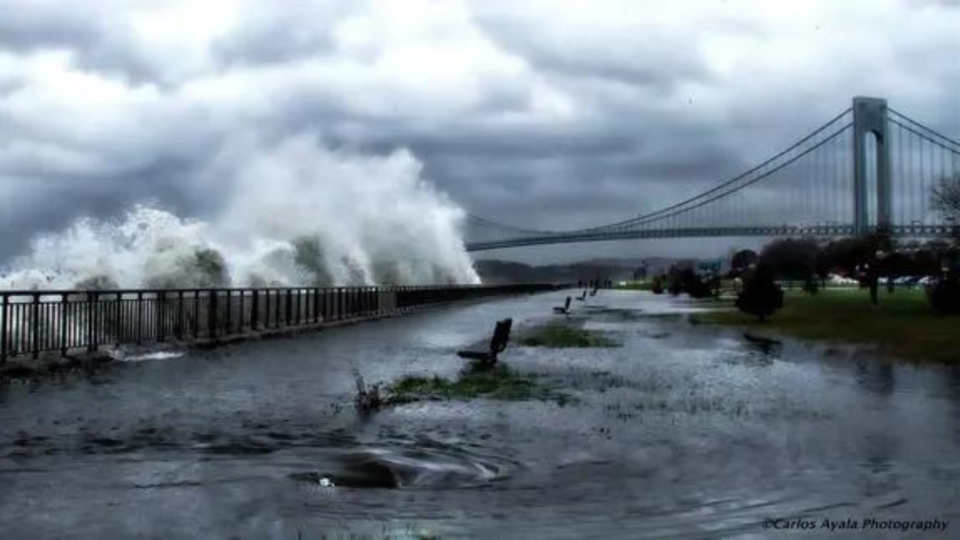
{"x": 289, "y": 214}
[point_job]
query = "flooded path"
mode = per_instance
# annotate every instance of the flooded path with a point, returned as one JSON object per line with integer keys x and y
{"x": 686, "y": 431}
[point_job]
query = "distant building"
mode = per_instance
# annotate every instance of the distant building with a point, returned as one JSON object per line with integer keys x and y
{"x": 708, "y": 267}
{"x": 712, "y": 266}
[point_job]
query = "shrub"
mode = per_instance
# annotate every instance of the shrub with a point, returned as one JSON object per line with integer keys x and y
{"x": 698, "y": 287}
{"x": 761, "y": 296}
{"x": 675, "y": 285}
{"x": 686, "y": 280}
{"x": 945, "y": 295}
{"x": 657, "y": 285}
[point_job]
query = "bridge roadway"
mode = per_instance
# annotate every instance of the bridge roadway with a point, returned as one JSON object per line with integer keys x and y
{"x": 818, "y": 231}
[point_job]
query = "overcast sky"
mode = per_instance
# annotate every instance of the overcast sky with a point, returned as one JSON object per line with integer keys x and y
{"x": 546, "y": 114}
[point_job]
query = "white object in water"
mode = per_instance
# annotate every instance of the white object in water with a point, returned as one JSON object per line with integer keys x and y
{"x": 326, "y": 482}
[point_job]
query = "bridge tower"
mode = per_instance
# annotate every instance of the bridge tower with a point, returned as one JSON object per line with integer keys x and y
{"x": 870, "y": 118}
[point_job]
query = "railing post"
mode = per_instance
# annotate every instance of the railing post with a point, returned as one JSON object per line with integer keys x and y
{"x": 4, "y": 300}
{"x": 288, "y": 309}
{"x": 180, "y": 315}
{"x": 229, "y": 319}
{"x": 241, "y": 313}
{"x": 118, "y": 313}
{"x": 254, "y": 310}
{"x": 196, "y": 314}
{"x": 212, "y": 313}
{"x": 266, "y": 308}
{"x": 139, "y": 318}
{"x": 93, "y": 301}
{"x": 63, "y": 324}
{"x": 35, "y": 326}
{"x": 276, "y": 309}
{"x": 161, "y": 307}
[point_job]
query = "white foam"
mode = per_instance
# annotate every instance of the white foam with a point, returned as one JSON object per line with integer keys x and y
{"x": 159, "y": 355}
{"x": 290, "y": 213}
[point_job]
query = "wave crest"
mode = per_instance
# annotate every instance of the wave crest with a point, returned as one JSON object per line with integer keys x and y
{"x": 294, "y": 213}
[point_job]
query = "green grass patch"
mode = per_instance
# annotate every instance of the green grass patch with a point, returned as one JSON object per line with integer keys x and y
{"x": 903, "y": 325}
{"x": 498, "y": 382}
{"x": 644, "y": 285}
{"x": 561, "y": 336}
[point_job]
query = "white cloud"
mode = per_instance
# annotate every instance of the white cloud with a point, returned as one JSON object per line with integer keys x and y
{"x": 486, "y": 93}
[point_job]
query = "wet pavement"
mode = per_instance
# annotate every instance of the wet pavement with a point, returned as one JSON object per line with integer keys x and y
{"x": 686, "y": 431}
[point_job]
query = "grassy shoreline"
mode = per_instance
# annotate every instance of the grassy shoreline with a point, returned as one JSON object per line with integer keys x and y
{"x": 559, "y": 335}
{"x": 903, "y": 325}
{"x": 498, "y": 382}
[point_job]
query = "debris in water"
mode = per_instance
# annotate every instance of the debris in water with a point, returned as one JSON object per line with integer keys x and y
{"x": 765, "y": 345}
{"x": 367, "y": 400}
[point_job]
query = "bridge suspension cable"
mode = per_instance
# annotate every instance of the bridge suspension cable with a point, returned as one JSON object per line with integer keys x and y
{"x": 836, "y": 180}
{"x": 943, "y": 139}
{"x": 725, "y": 184}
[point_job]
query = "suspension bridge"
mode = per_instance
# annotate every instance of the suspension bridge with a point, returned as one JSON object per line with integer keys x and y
{"x": 868, "y": 168}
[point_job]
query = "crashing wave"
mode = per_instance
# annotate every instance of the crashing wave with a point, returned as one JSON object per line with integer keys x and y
{"x": 294, "y": 214}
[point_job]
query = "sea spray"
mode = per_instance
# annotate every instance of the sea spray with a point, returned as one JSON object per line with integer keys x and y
{"x": 143, "y": 247}
{"x": 290, "y": 213}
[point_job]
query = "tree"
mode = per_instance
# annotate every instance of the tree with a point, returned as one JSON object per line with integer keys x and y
{"x": 946, "y": 200}
{"x": 761, "y": 296}
{"x": 844, "y": 255}
{"x": 791, "y": 258}
{"x": 742, "y": 260}
{"x": 657, "y": 285}
{"x": 684, "y": 279}
{"x": 945, "y": 295}
{"x": 847, "y": 254}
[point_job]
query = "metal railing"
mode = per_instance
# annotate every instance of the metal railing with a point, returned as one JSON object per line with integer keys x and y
{"x": 33, "y": 322}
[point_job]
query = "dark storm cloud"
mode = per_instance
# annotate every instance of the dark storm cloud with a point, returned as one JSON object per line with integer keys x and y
{"x": 486, "y": 144}
{"x": 27, "y": 26}
{"x": 659, "y": 60}
{"x": 548, "y": 114}
{"x": 52, "y": 203}
{"x": 93, "y": 33}
{"x": 277, "y": 35}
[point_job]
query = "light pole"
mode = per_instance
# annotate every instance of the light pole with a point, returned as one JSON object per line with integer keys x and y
{"x": 879, "y": 257}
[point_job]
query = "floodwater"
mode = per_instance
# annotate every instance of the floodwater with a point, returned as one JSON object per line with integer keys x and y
{"x": 687, "y": 431}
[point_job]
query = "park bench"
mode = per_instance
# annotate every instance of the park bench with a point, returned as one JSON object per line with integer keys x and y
{"x": 501, "y": 334}
{"x": 564, "y": 309}
{"x": 582, "y": 297}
